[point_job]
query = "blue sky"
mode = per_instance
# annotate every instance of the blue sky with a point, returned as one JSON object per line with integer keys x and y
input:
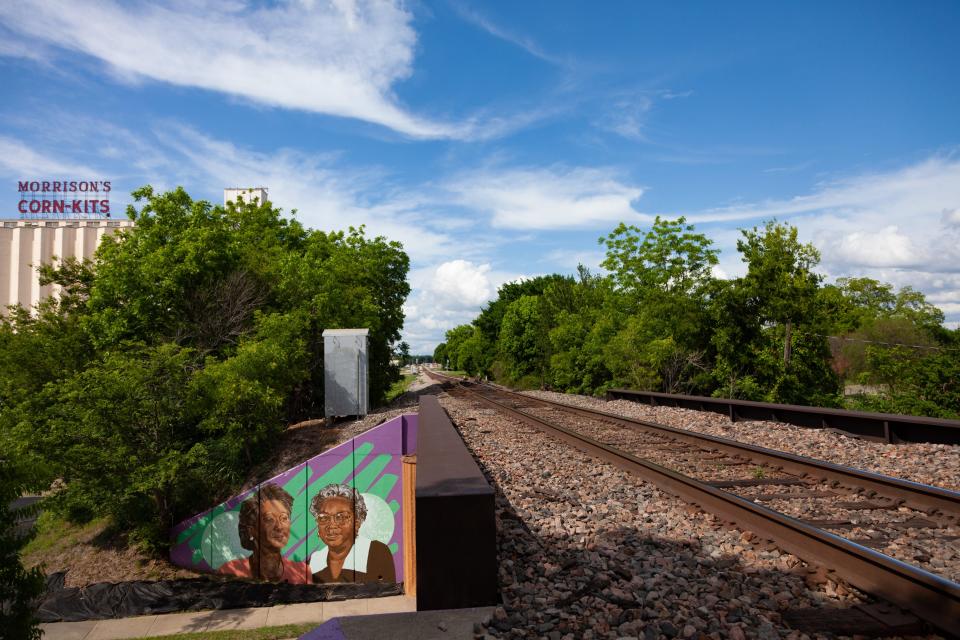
{"x": 499, "y": 140}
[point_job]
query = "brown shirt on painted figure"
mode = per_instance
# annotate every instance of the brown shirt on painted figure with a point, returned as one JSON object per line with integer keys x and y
{"x": 368, "y": 561}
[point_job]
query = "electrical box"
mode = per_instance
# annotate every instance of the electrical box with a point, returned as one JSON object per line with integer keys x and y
{"x": 345, "y": 372}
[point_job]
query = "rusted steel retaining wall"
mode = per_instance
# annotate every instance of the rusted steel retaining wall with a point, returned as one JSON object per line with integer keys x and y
{"x": 456, "y": 550}
{"x": 884, "y": 427}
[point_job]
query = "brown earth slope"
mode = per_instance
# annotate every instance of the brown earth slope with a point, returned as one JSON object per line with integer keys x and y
{"x": 91, "y": 553}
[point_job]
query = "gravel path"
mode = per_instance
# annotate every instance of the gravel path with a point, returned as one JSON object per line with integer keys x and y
{"x": 589, "y": 551}
{"x": 935, "y": 464}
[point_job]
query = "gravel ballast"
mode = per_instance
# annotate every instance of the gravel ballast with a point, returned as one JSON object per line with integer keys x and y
{"x": 896, "y": 530}
{"x": 590, "y": 551}
{"x": 935, "y": 464}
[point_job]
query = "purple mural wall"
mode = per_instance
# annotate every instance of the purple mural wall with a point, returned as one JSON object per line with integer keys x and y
{"x": 338, "y": 517}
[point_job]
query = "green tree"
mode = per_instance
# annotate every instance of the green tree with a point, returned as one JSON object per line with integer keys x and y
{"x": 865, "y": 311}
{"x": 667, "y": 259}
{"x": 862, "y": 300}
{"x": 171, "y": 362}
{"x": 491, "y": 317}
{"x": 402, "y": 352}
{"x": 455, "y": 339}
{"x": 780, "y": 274}
{"x": 472, "y": 356}
{"x": 19, "y": 587}
{"x": 523, "y": 344}
{"x": 664, "y": 275}
{"x": 585, "y": 318}
{"x": 345, "y": 280}
{"x": 923, "y": 383}
{"x": 128, "y": 433}
{"x": 440, "y": 354}
{"x": 912, "y": 305}
{"x": 771, "y": 323}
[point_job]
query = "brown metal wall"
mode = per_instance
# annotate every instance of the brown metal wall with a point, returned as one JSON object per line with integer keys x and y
{"x": 456, "y": 552}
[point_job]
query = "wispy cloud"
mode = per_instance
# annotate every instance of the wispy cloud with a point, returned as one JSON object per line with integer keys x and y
{"x": 340, "y": 58}
{"x": 547, "y": 198}
{"x": 628, "y": 118}
{"x": 327, "y": 195}
{"x": 528, "y": 44}
{"x": 14, "y": 46}
{"x": 18, "y": 159}
{"x": 628, "y": 114}
{"x": 567, "y": 261}
{"x": 898, "y": 226}
{"x": 792, "y": 168}
{"x": 922, "y": 189}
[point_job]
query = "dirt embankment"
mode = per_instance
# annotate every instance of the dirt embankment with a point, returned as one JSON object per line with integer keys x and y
{"x": 92, "y": 553}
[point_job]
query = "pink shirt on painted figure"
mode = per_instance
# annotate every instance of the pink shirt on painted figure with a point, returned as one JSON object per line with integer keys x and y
{"x": 293, "y": 572}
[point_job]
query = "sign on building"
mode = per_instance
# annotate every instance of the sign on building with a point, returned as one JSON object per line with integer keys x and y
{"x": 63, "y": 199}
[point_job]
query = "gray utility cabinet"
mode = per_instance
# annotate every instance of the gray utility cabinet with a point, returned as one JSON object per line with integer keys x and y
{"x": 345, "y": 372}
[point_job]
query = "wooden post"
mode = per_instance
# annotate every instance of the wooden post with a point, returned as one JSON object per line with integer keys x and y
{"x": 410, "y": 525}
{"x": 786, "y": 345}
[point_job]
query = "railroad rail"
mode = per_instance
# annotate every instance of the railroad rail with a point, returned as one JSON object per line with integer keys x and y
{"x": 687, "y": 464}
{"x": 882, "y": 427}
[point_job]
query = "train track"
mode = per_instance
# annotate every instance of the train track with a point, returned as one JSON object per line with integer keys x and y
{"x": 834, "y": 517}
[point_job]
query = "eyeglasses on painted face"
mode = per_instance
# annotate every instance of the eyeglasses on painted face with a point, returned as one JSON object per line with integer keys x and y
{"x": 340, "y": 518}
{"x": 271, "y": 519}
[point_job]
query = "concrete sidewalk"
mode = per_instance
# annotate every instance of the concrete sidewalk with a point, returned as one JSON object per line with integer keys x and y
{"x": 224, "y": 619}
{"x": 447, "y": 624}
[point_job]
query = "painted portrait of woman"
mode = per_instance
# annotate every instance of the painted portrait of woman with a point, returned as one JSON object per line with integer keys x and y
{"x": 264, "y": 529}
{"x": 348, "y": 556}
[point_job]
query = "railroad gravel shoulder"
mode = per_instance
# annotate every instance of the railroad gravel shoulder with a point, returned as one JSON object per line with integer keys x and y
{"x": 934, "y": 464}
{"x": 589, "y": 551}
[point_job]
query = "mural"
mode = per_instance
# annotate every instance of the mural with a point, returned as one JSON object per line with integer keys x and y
{"x": 335, "y": 518}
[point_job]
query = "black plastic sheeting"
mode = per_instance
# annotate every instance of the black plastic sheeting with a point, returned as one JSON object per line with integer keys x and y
{"x": 144, "y": 597}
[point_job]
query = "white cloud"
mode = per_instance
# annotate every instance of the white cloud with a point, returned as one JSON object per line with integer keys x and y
{"x": 547, "y": 198}
{"x": 888, "y": 247}
{"x": 14, "y": 47}
{"x": 719, "y": 272}
{"x": 18, "y": 159}
{"x": 338, "y": 58}
{"x": 463, "y": 282}
{"x": 896, "y": 219}
{"x": 327, "y": 196}
{"x": 445, "y": 295}
{"x": 899, "y": 226}
{"x": 567, "y": 260}
{"x": 950, "y": 217}
{"x": 923, "y": 189}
